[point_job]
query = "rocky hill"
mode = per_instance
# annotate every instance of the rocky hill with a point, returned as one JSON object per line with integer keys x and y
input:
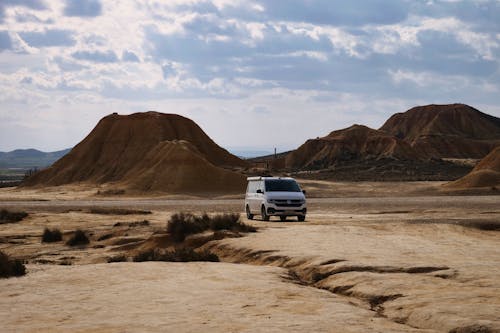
{"x": 146, "y": 151}
{"x": 446, "y": 131}
{"x": 355, "y": 143}
{"x": 485, "y": 174}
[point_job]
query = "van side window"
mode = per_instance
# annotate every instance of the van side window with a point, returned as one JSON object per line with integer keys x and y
{"x": 252, "y": 187}
{"x": 260, "y": 186}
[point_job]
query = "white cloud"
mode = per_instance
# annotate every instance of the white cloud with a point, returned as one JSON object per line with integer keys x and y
{"x": 230, "y": 57}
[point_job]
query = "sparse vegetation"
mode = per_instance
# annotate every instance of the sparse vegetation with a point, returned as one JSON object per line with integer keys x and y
{"x": 118, "y": 211}
{"x": 11, "y": 217}
{"x": 176, "y": 255}
{"x": 78, "y": 238}
{"x": 111, "y": 192}
{"x": 183, "y": 224}
{"x": 51, "y": 236}
{"x": 132, "y": 224}
{"x": 10, "y": 267}
{"x": 30, "y": 172}
{"x": 230, "y": 222}
{"x": 117, "y": 258}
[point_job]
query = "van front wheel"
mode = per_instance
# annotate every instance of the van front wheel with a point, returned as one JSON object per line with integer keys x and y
{"x": 249, "y": 215}
{"x": 301, "y": 218}
{"x": 265, "y": 217}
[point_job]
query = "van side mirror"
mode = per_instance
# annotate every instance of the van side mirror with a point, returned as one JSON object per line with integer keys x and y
{"x": 304, "y": 191}
{"x": 259, "y": 191}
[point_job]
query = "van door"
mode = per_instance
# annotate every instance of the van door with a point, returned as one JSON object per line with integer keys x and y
{"x": 259, "y": 197}
{"x": 252, "y": 195}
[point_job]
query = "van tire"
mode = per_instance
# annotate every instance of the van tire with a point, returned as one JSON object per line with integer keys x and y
{"x": 249, "y": 215}
{"x": 265, "y": 217}
{"x": 301, "y": 218}
{"x": 282, "y": 218}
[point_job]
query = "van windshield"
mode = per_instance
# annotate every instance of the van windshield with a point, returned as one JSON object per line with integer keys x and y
{"x": 282, "y": 185}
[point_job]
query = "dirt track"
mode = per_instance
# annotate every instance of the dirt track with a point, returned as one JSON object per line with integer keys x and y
{"x": 330, "y": 205}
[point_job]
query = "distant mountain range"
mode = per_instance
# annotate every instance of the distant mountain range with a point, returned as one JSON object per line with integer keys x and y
{"x": 29, "y": 158}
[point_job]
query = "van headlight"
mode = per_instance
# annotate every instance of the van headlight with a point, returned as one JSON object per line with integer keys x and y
{"x": 271, "y": 201}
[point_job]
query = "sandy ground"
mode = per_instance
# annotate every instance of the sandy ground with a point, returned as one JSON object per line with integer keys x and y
{"x": 359, "y": 264}
{"x": 172, "y": 297}
{"x": 314, "y": 188}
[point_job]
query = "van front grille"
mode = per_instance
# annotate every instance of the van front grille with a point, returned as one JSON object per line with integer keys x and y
{"x": 288, "y": 203}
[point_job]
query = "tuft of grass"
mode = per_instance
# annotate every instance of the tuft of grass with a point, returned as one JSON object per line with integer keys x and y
{"x": 230, "y": 222}
{"x": 78, "y": 238}
{"x": 111, "y": 192}
{"x": 181, "y": 225}
{"x": 177, "y": 255}
{"x": 117, "y": 258}
{"x": 51, "y": 236}
{"x": 132, "y": 224}
{"x": 11, "y": 217}
{"x": 118, "y": 211}
{"x": 10, "y": 267}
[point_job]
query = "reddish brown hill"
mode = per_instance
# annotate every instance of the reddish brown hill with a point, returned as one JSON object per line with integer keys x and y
{"x": 353, "y": 143}
{"x": 485, "y": 174}
{"x": 119, "y": 144}
{"x": 179, "y": 167}
{"x": 454, "y": 131}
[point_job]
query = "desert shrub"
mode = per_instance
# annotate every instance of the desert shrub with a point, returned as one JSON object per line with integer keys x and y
{"x": 183, "y": 224}
{"x": 111, "y": 192}
{"x": 78, "y": 238}
{"x": 117, "y": 258}
{"x": 11, "y": 217}
{"x": 10, "y": 267}
{"x": 149, "y": 255}
{"x": 50, "y": 236}
{"x": 118, "y": 211}
{"x": 188, "y": 254}
{"x": 132, "y": 224}
{"x": 176, "y": 255}
{"x": 142, "y": 223}
{"x": 230, "y": 222}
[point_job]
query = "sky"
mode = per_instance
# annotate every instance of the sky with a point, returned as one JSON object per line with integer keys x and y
{"x": 253, "y": 74}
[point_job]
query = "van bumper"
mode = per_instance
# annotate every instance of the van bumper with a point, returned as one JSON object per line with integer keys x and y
{"x": 289, "y": 211}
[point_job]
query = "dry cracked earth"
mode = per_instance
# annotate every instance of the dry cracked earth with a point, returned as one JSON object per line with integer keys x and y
{"x": 358, "y": 264}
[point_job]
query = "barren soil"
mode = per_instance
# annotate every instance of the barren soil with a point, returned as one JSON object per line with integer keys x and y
{"x": 362, "y": 262}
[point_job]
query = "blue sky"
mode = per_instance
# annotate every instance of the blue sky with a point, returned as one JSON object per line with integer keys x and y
{"x": 256, "y": 74}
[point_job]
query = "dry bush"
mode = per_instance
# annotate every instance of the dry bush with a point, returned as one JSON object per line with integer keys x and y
{"x": 10, "y": 267}
{"x": 78, "y": 238}
{"x": 111, "y": 192}
{"x": 181, "y": 225}
{"x": 132, "y": 224}
{"x": 50, "y": 236}
{"x": 230, "y": 222}
{"x": 176, "y": 255}
{"x": 11, "y": 217}
{"x": 117, "y": 258}
{"x": 118, "y": 211}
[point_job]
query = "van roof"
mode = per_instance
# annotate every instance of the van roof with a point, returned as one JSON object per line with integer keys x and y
{"x": 264, "y": 178}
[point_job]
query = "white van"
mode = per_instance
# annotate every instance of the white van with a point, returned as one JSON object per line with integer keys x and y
{"x": 275, "y": 196}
